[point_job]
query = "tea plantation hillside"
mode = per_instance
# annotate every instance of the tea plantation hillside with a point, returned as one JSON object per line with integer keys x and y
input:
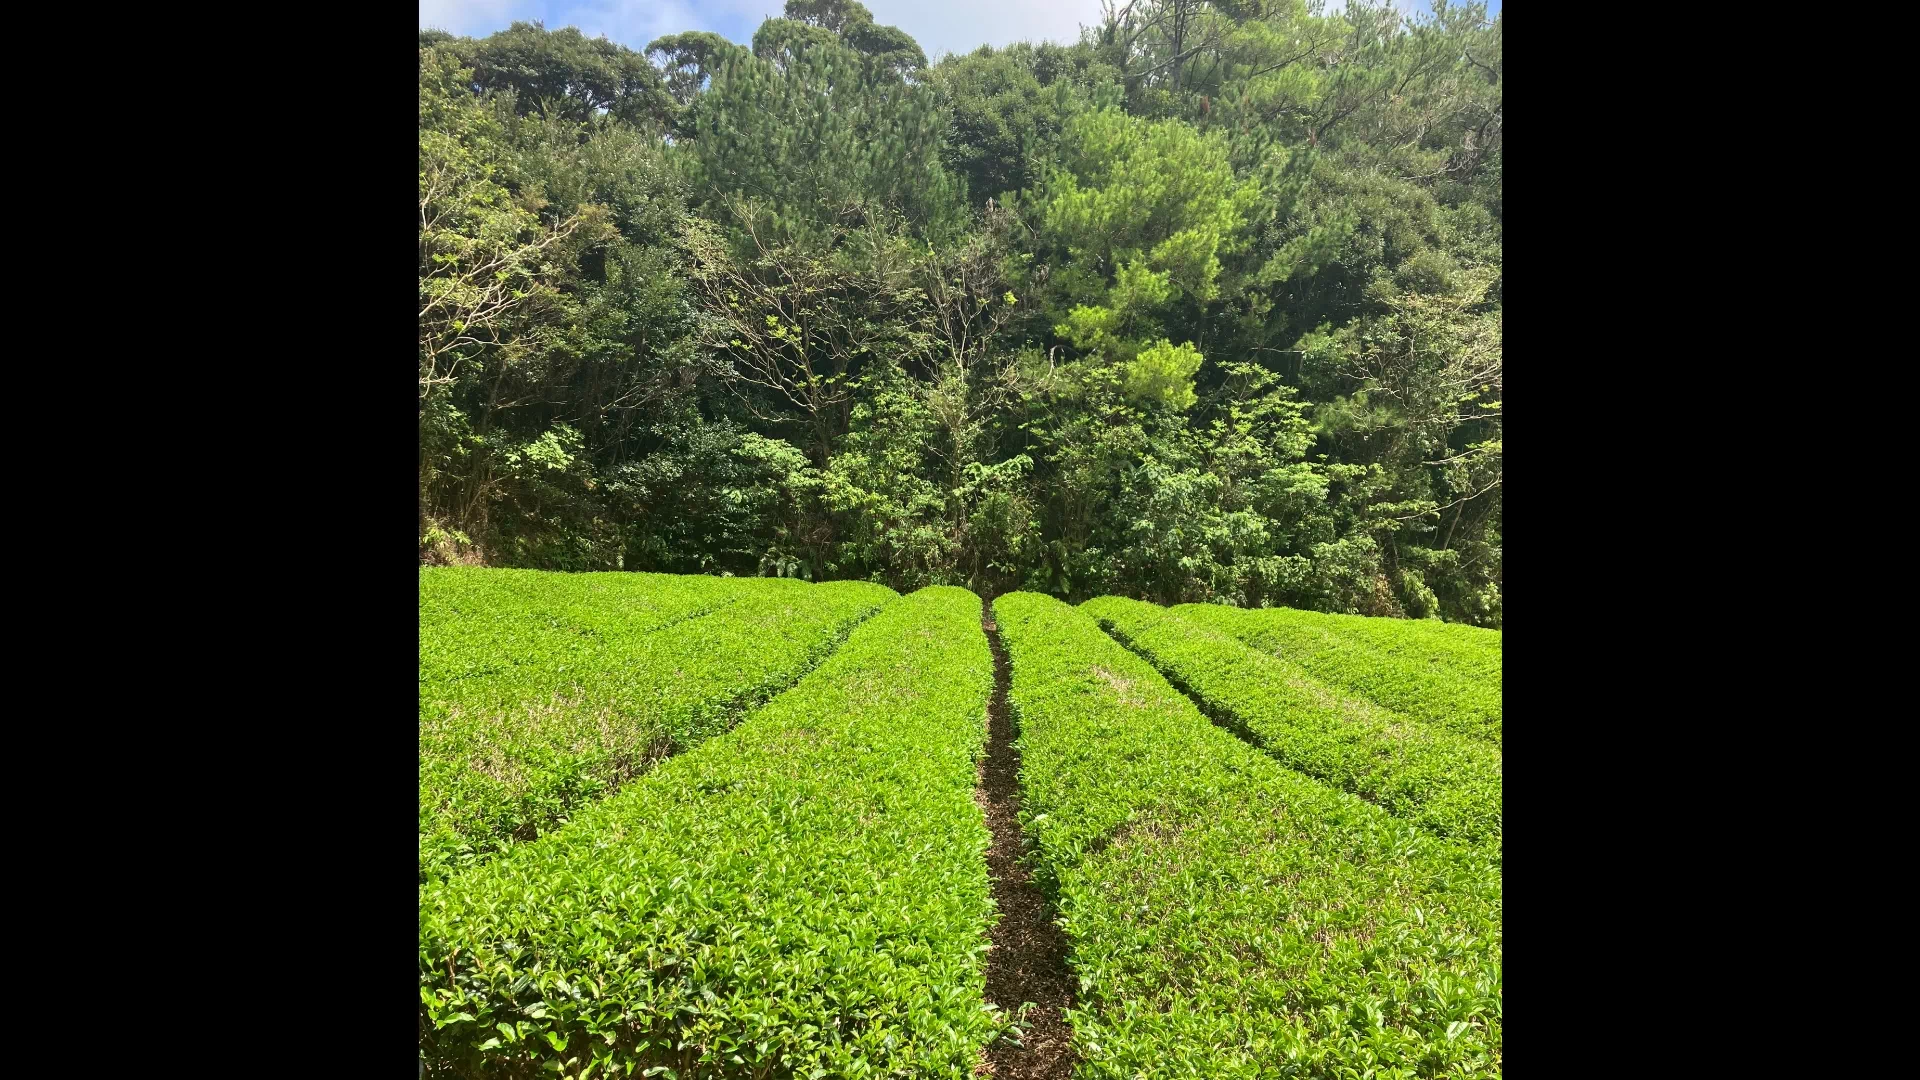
{"x": 690, "y": 826}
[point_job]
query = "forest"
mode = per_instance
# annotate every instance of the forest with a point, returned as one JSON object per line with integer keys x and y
{"x": 1204, "y": 307}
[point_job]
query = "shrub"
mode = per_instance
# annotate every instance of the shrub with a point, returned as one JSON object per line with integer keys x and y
{"x": 540, "y": 692}
{"x": 804, "y": 896}
{"x": 1410, "y": 686}
{"x": 1445, "y": 783}
{"x": 1227, "y": 916}
{"x": 1470, "y": 651}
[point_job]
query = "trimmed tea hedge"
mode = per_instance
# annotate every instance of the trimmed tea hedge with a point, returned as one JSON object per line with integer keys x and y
{"x": 1445, "y": 783}
{"x": 541, "y": 693}
{"x": 805, "y": 896}
{"x": 1227, "y": 916}
{"x": 1471, "y": 651}
{"x": 1411, "y": 687}
{"x": 462, "y": 605}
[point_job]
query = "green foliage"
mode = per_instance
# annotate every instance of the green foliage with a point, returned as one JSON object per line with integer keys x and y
{"x": 1207, "y": 306}
{"x": 838, "y": 17}
{"x": 551, "y": 316}
{"x": 1425, "y": 417}
{"x": 1447, "y": 784}
{"x": 486, "y": 257}
{"x": 894, "y": 51}
{"x": 1008, "y": 107}
{"x": 688, "y": 60}
{"x": 804, "y": 896}
{"x": 879, "y": 482}
{"x": 1162, "y": 374}
{"x": 1469, "y": 651}
{"x": 820, "y": 133}
{"x": 542, "y": 692}
{"x": 853, "y": 24}
{"x": 564, "y": 73}
{"x": 1159, "y": 199}
{"x": 1227, "y": 916}
{"x": 1444, "y": 698}
{"x": 1217, "y": 505}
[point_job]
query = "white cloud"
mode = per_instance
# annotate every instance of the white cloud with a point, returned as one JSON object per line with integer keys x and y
{"x": 634, "y": 23}
{"x": 962, "y": 26}
{"x": 939, "y": 26}
{"x": 465, "y": 16}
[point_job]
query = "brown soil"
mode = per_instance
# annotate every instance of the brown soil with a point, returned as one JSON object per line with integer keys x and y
{"x": 1027, "y": 954}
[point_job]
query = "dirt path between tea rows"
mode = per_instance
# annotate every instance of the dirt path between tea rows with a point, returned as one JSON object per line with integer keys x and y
{"x": 1027, "y": 957}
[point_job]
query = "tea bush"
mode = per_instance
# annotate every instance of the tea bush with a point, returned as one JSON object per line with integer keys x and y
{"x": 1229, "y": 917}
{"x": 1447, "y": 784}
{"x": 804, "y": 896}
{"x": 540, "y": 692}
{"x": 1440, "y": 696}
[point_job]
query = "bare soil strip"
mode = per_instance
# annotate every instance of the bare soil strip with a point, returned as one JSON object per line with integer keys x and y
{"x": 1027, "y": 953}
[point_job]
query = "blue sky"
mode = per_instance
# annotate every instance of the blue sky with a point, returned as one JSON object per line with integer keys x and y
{"x": 938, "y": 25}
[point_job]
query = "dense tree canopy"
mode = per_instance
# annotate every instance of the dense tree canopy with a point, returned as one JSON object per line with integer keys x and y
{"x": 1203, "y": 307}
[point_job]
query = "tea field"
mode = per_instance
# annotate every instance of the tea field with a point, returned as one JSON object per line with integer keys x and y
{"x": 724, "y": 827}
